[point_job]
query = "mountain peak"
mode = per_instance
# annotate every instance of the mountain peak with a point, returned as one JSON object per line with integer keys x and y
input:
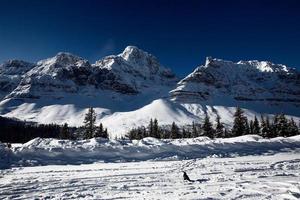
{"x": 133, "y": 54}
{"x": 252, "y": 65}
{"x": 63, "y": 59}
{"x": 67, "y": 57}
{"x": 131, "y": 50}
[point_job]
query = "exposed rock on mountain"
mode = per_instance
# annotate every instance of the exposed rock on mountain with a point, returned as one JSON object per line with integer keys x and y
{"x": 242, "y": 81}
{"x": 11, "y": 73}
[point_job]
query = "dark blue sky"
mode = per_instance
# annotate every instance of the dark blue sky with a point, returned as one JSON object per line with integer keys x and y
{"x": 180, "y": 33}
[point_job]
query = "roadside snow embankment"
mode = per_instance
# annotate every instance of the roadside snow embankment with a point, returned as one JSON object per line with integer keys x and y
{"x": 52, "y": 151}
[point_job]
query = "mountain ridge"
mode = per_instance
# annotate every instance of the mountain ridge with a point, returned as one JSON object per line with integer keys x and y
{"x": 130, "y": 88}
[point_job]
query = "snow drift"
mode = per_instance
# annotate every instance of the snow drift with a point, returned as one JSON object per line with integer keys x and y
{"x": 52, "y": 151}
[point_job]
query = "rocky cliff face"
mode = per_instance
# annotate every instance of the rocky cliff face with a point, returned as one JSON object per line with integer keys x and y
{"x": 131, "y": 72}
{"x": 242, "y": 81}
{"x": 11, "y": 73}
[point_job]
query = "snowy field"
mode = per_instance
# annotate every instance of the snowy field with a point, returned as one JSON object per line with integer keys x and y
{"x": 250, "y": 177}
{"x": 247, "y": 167}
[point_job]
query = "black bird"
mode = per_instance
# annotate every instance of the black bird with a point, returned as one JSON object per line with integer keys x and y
{"x": 186, "y": 177}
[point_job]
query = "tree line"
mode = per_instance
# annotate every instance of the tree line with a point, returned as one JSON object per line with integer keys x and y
{"x": 17, "y": 131}
{"x": 279, "y": 125}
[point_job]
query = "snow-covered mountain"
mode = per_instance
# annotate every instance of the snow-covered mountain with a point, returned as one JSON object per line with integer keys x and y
{"x": 131, "y": 72}
{"x": 218, "y": 86}
{"x": 130, "y": 88}
{"x": 11, "y": 73}
{"x": 59, "y": 89}
{"x": 242, "y": 81}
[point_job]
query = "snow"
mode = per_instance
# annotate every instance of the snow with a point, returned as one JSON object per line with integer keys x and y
{"x": 252, "y": 177}
{"x": 53, "y": 151}
{"x": 130, "y": 88}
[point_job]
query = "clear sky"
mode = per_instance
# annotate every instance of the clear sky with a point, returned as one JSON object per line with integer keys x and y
{"x": 181, "y": 33}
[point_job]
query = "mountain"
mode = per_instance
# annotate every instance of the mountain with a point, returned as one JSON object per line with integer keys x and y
{"x": 132, "y": 87}
{"x": 59, "y": 89}
{"x": 242, "y": 81}
{"x": 259, "y": 87}
{"x": 131, "y": 72}
{"x": 11, "y": 73}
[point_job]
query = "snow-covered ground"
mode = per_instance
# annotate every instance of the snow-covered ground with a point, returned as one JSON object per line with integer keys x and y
{"x": 247, "y": 167}
{"x": 249, "y": 177}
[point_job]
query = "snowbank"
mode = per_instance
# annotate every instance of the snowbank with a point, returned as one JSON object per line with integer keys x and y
{"x": 52, "y": 151}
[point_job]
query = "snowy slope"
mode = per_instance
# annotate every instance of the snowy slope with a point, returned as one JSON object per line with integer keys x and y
{"x": 246, "y": 167}
{"x": 52, "y": 151}
{"x": 249, "y": 177}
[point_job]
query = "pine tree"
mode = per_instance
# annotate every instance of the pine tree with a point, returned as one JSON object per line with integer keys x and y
{"x": 269, "y": 129}
{"x": 174, "y": 131}
{"x": 184, "y": 133}
{"x": 89, "y": 123}
{"x": 256, "y": 127}
{"x": 226, "y": 134}
{"x": 251, "y": 126}
{"x": 280, "y": 125}
{"x": 105, "y": 133}
{"x": 265, "y": 129}
{"x": 64, "y": 132}
{"x": 194, "y": 131}
{"x": 144, "y": 132}
{"x": 219, "y": 127}
{"x": 151, "y": 128}
{"x": 292, "y": 128}
{"x": 207, "y": 127}
{"x": 240, "y": 126}
{"x": 99, "y": 131}
{"x": 155, "y": 129}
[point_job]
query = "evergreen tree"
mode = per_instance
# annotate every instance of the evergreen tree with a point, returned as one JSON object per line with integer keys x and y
{"x": 226, "y": 134}
{"x": 263, "y": 130}
{"x": 99, "y": 131}
{"x": 256, "y": 127}
{"x": 184, "y": 133}
{"x": 132, "y": 134}
{"x": 251, "y": 126}
{"x": 292, "y": 128}
{"x": 64, "y": 132}
{"x": 240, "y": 125}
{"x": 280, "y": 125}
{"x": 207, "y": 127}
{"x": 151, "y": 128}
{"x": 219, "y": 128}
{"x": 174, "y": 131}
{"x": 105, "y": 133}
{"x": 143, "y": 132}
{"x": 155, "y": 129}
{"x": 89, "y": 123}
{"x": 194, "y": 131}
{"x": 266, "y": 129}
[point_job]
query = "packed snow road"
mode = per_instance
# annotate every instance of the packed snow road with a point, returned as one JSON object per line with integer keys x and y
{"x": 275, "y": 176}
